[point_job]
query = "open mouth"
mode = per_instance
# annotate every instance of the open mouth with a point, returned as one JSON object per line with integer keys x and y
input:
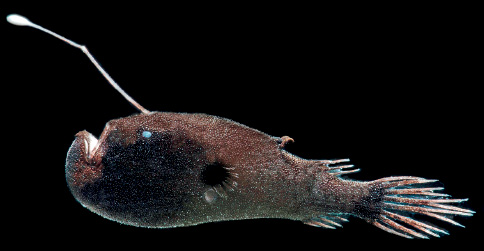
{"x": 91, "y": 144}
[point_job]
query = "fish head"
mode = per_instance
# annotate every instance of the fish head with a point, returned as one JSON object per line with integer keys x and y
{"x": 142, "y": 173}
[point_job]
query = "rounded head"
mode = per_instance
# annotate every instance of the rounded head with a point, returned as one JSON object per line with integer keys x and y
{"x": 143, "y": 176}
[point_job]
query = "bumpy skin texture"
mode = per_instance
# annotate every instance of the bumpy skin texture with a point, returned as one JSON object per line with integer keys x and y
{"x": 175, "y": 169}
{"x": 164, "y": 180}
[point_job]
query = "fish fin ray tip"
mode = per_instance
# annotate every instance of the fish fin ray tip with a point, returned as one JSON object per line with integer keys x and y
{"x": 403, "y": 200}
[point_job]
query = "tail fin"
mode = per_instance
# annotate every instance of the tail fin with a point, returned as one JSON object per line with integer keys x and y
{"x": 401, "y": 198}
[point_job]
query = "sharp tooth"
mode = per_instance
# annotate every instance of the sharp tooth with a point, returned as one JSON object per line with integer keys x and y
{"x": 92, "y": 143}
{"x": 86, "y": 146}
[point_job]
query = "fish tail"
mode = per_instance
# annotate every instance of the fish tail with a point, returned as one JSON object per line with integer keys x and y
{"x": 394, "y": 203}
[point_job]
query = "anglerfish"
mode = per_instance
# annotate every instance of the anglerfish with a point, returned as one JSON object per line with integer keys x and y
{"x": 165, "y": 170}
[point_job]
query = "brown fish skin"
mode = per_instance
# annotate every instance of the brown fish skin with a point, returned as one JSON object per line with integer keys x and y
{"x": 177, "y": 169}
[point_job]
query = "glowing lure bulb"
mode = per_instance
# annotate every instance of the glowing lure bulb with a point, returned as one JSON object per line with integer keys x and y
{"x": 18, "y": 20}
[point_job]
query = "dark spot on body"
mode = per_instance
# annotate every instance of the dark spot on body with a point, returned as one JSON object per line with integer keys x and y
{"x": 214, "y": 174}
{"x": 148, "y": 180}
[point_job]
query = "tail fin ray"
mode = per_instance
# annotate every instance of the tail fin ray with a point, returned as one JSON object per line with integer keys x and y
{"x": 390, "y": 230}
{"x": 416, "y": 224}
{"x": 405, "y": 196}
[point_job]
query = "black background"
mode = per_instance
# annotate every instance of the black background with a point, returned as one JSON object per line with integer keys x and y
{"x": 393, "y": 88}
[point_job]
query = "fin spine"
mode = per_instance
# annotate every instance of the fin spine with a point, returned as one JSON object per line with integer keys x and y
{"x": 400, "y": 200}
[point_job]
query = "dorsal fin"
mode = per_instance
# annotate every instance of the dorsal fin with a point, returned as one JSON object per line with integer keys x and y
{"x": 336, "y": 170}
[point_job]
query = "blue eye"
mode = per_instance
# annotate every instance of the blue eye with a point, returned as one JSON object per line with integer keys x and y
{"x": 146, "y": 134}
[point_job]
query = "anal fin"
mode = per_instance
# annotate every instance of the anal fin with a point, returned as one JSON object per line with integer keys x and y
{"x": 327, "y": 221}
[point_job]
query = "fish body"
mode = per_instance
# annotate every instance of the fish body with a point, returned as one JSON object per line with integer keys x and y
{"x": 253, "y": 176}
{"x": 158, "y": 169}
{"x": 167, "y": 170}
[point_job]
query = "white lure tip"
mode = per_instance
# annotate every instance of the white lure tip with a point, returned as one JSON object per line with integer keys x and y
{"x": 18, "y": 20}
